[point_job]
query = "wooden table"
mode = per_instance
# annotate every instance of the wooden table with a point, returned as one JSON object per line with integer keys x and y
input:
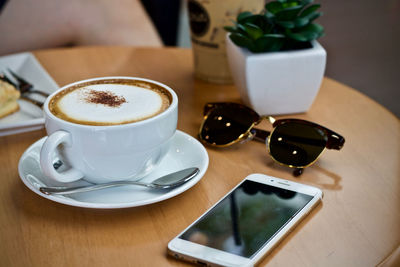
{"x": 358, "y": 223}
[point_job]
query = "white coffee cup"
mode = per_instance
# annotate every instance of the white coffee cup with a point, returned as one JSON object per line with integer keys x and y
{"x": 105, "y": 153}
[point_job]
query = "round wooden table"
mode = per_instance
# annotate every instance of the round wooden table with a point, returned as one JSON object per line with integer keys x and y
{"x": 357, "y": 224}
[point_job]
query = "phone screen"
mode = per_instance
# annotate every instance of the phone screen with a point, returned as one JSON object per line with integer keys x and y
{"x": 244, "y": 221}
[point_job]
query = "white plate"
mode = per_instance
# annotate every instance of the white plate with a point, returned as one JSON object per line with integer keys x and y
{"x": 29, "y": 117}
{"x": 185, "y": 152}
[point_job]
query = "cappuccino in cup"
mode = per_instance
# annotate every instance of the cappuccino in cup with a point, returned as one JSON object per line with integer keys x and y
{"x": 108, "y": 129}
{"x": 110, "y": 102}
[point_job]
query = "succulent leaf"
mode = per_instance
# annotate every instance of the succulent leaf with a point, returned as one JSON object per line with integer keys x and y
{"x": 241, "y": 29}
{"x": 243, "y": 15}
{"x": 288, "y": 4}
{"x": 241, "y": 40}
{"x": 230, "y": 29}
{"x": 271, "y": 42}
{"x": 302, "y": 36}
{"x": 307, "y": 33}
{"x": 283, "y": 25}
{"x": 286, "y": 24}
{"x": 260, "y": 20}
{"x": 269, "y": 15}
{"x": 253, "y": 31}
{"x": 274, "y": 7}
{"x": 311, "y": 9}
{"x": 314, "y": 16}
{"x": 315, "y": 27}
{"x": 288, "y": 13}
{"x": 301, "y": 22}
{"x": 306, "y": 2}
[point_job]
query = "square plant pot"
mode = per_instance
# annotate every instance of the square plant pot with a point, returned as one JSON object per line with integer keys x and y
{"x": 281, "y": 82}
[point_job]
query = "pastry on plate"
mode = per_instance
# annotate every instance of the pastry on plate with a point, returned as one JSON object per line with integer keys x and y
{"x": 8, "y": 99}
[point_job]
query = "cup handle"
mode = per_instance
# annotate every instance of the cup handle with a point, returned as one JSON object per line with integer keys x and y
{"x": 46, "y": 158}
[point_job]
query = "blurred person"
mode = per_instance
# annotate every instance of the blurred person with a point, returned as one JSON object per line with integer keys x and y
{"x": 36, "y": 24}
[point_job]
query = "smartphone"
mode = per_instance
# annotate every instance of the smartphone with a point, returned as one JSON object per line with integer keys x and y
{"x": 246, "y": 223}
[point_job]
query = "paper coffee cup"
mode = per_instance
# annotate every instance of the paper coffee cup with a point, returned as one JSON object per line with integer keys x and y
{"x": 207, "y": 19}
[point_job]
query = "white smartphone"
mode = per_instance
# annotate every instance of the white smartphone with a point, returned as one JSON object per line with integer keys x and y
{"x": 246, "y": 223}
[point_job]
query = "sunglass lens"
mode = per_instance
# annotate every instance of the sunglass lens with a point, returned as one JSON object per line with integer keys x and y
{"x": 225, "y": 125}
{"x": 296, "y": 144}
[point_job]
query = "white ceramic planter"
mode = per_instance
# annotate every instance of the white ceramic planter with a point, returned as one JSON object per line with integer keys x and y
{"x": 277, "y": 82}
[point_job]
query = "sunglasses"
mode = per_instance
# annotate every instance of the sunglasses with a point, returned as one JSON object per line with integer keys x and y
{"x": 292, "y": 142}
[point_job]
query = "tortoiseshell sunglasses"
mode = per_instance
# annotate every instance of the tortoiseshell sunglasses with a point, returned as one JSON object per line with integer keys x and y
{"x": 292, "y": 142}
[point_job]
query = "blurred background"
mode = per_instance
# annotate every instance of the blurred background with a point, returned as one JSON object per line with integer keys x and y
{"x": 362, "y": 38}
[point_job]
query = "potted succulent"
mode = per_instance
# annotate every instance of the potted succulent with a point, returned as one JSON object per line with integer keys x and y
{"x": 275, "y": 60}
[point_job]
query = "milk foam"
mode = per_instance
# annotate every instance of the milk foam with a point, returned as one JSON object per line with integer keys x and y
{"x": 140, "y": 103}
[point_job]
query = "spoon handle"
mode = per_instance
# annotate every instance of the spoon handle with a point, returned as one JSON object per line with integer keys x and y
{"x": 62, "y": 190}
{"x": 185, "y": 176}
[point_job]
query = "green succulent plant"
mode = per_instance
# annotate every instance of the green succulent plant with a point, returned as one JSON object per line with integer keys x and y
{"x": 283, "y": 25}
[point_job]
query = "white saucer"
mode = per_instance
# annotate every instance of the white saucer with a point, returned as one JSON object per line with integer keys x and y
{"x": 185, "y": 152}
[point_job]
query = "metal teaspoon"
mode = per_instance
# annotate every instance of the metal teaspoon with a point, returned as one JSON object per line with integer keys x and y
{"x": 167, "y": 181}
